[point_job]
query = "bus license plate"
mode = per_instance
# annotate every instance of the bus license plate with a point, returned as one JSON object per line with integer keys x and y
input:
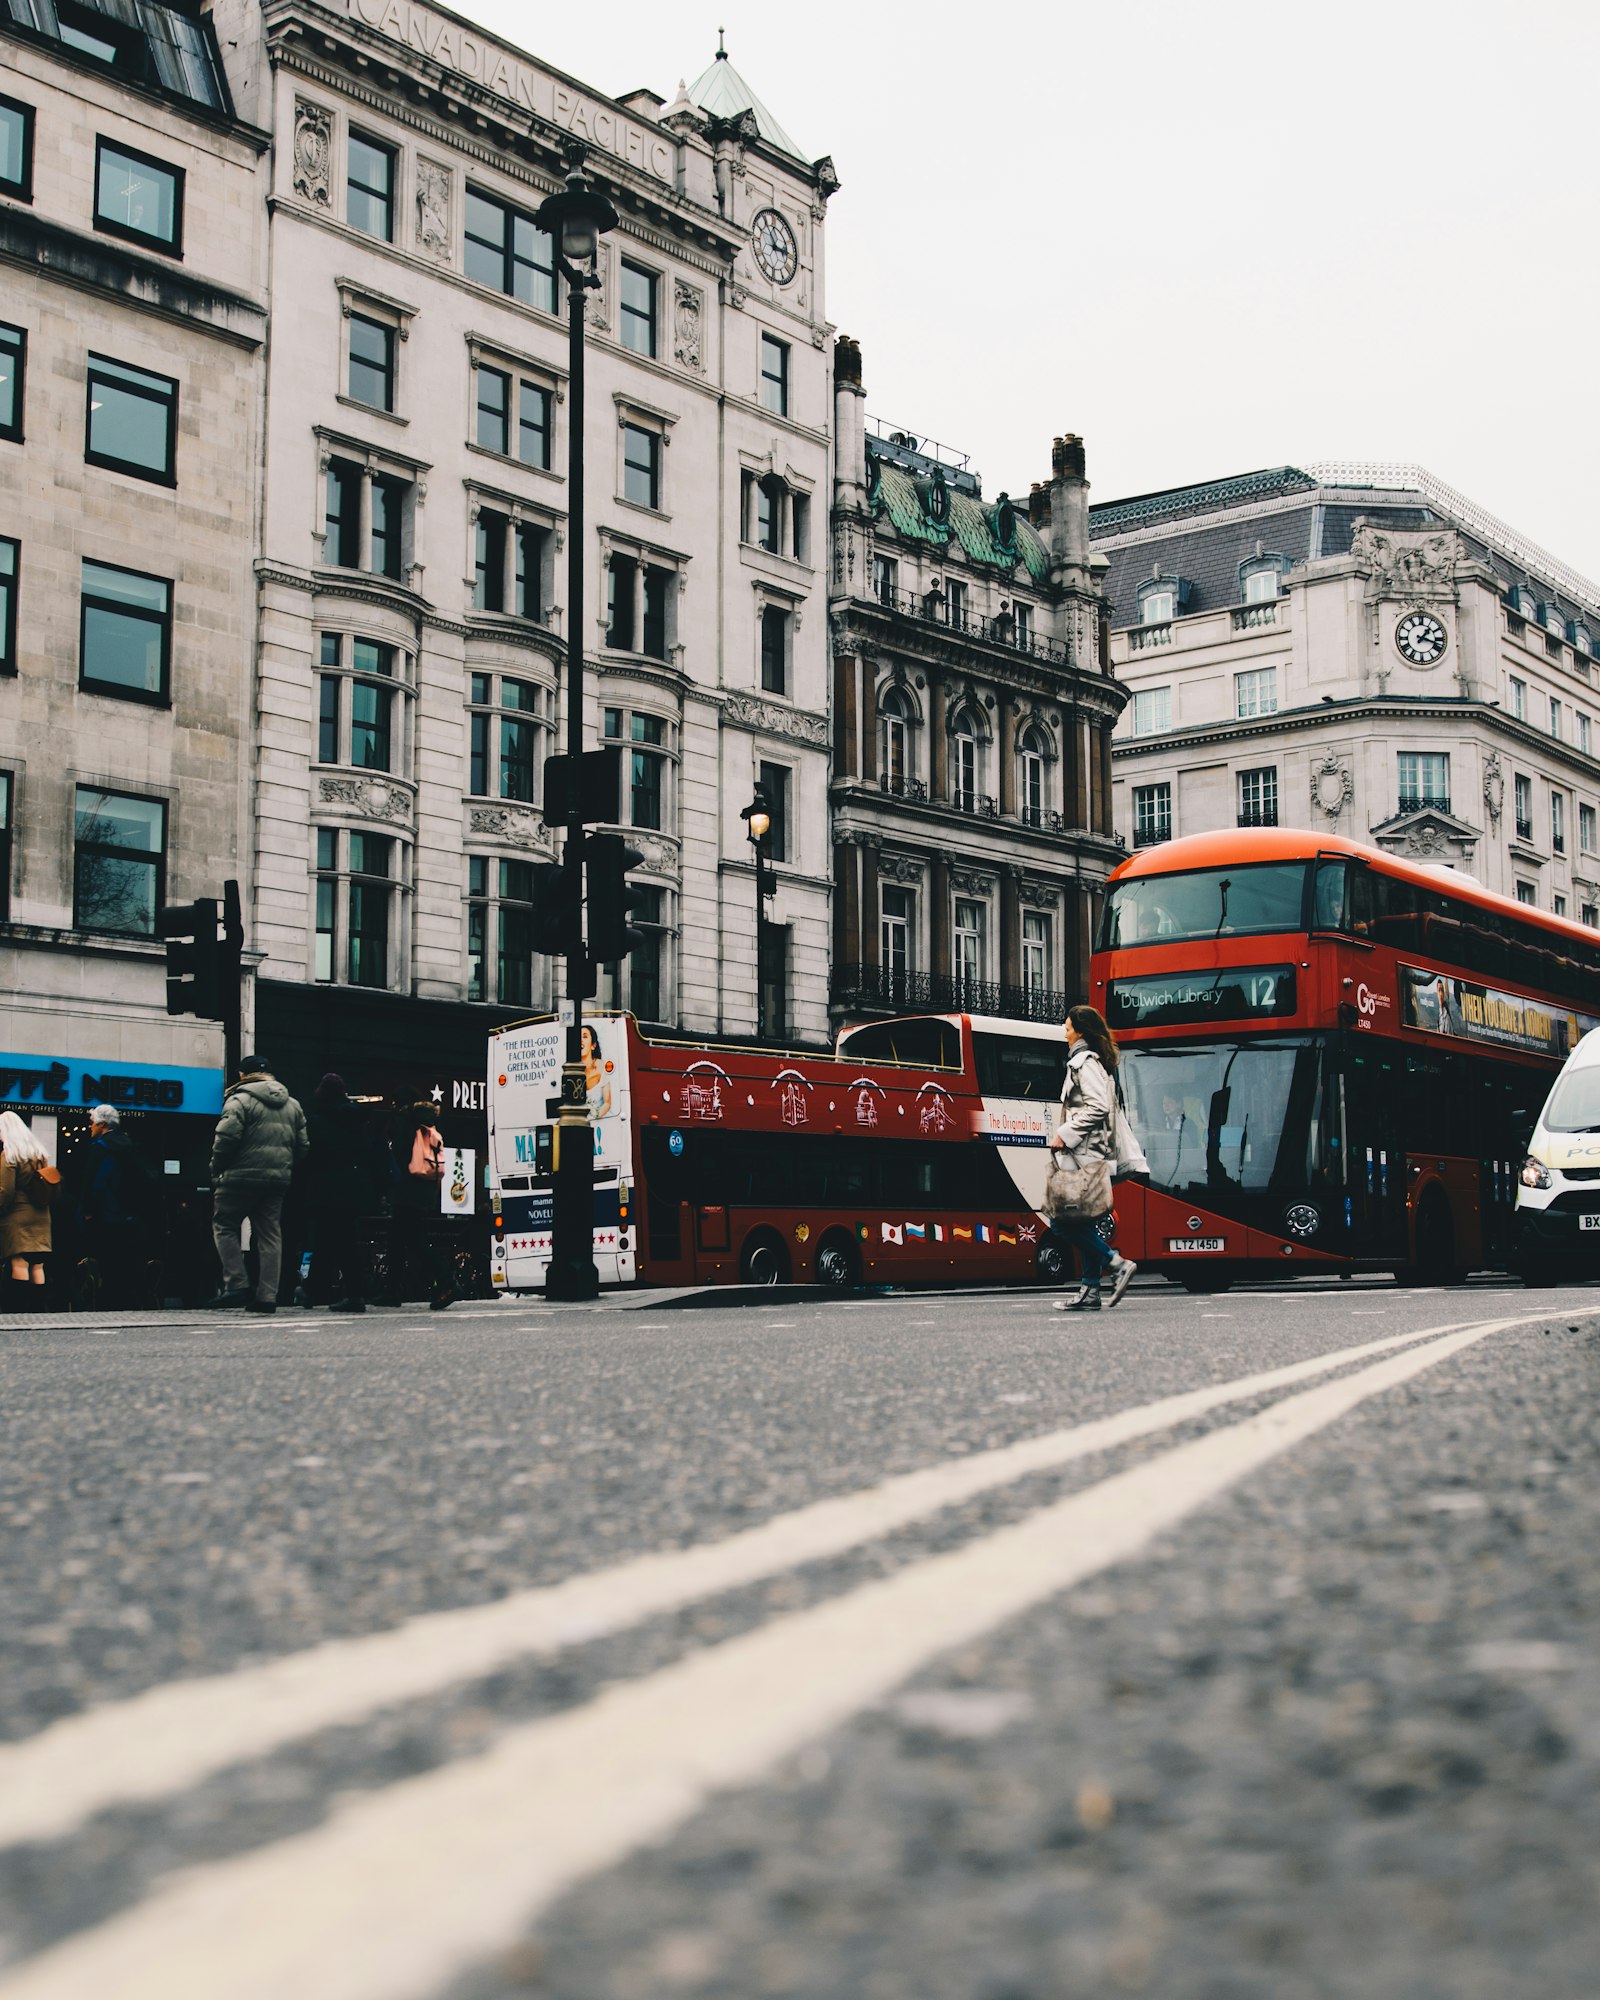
{"x": 1197, "y": 1243}
{"x": 1589, "y": 1221}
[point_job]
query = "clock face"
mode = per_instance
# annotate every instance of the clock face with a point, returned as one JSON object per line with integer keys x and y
{"x": 1421, "y": 638}
{"x": 774, "y": 244}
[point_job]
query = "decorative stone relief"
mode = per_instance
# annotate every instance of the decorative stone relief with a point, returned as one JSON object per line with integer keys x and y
{"x": 1494, "y": 785}
{"x": 1332, "y": 786}
{"x": 1400, "y": 565}
{"x": 660, "y": 856}
{"x": 900, "y": 868}
{"x": 688, "y": 311}
{"x": 598, "y": 310}
{"x": 1041, "y": 895}
{"x": 517, "y": 829}
{"x": 313, "y": 131}
{"x": 370, "y": 797}
{"x": 968, "y": 882}
{"x": 433, "y": 207}
{"x": 744, "y": 711}
{"x": 1427, "y": 841}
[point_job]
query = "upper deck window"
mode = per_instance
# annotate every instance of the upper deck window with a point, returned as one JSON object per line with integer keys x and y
{"x": 1206, "y": 903}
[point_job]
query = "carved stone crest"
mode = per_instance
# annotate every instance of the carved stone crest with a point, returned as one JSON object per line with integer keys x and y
{"x": 1494, "y": 785}
{"x": 1040, "y": 895}
{"x": 371, "y": 798}
{"x": 516, "y": 829}
{"x": 1332, "y": 786}
{"x": 968, "y": 882}
{"x": 433, "y": 206}
{"x": 746, "y": 712}
{"x": 900, "y": 868}
{"x": 1401, "y": 565}
{"x": 688, "y": 310}
{"x": 312, "y": 145}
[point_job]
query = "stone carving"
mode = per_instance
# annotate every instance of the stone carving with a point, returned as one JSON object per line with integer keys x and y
{"x": 597, "y": 310}
{"x": 745, "y": 711}
{"x": 900, "y": 868}
{"x": 433, "y": 206}
{"x": 1494, "y": 785}
{"x": 370, "y": 797}
{"x": 1405, "y": 565}
{"x": 517, "y": 829}
{"x": 1041, "y": 895}
{"x": 313, "y": 129}
{"x": 968, "y": 882}
{"x": 660, "y": 856}
{"x": 687, "y": 313}
{"x": 1332, "y": 786}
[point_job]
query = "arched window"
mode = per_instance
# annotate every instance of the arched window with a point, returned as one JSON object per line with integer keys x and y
{"x": 894, "y": 741}
{"x": 1031, "y": 754}
{"x": 964, "y": 763}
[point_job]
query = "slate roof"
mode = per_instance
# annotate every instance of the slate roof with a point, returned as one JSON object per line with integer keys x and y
{"x": 973, "y": 522}
{"x": 722, "y": 92}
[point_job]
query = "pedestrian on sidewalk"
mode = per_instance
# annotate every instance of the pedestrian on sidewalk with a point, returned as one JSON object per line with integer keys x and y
{"x": 344, "y": 1187}
{"x": 260, "y": 1139}
{"x": 28, "y": 1186}
{"x": 417, "y": 1257}
{"x": 1077, "y": 1195}
{"x": 117, "y": 1215}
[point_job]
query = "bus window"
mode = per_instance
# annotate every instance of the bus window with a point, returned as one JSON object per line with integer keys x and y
{"x": 1205, "y": 903}
{"x": 924, "y": 1041}
{"x": 1240, "y": 1113}
{"x": 1019, "y": 1066}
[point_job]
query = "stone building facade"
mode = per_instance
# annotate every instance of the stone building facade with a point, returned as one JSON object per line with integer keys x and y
{"x": 973, "y": 705}
{"x": 132, "y": 326}
{"x": 412, "y": 576}
{"x": 1361, "y": 650}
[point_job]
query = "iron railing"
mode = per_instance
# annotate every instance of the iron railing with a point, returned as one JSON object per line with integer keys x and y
{"x": 885, "y": 989}
{"x": 975, "y": 805}
{"x": 997, "y": 631}
{"x": 1411, "y": 802}
{"x": 1258, "y": 815}
{"x": 1152, "y": 836}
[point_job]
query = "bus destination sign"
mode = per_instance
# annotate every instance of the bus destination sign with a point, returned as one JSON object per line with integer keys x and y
{"x": 1231, "y": 993}
{"x": 1442, "y": 1005}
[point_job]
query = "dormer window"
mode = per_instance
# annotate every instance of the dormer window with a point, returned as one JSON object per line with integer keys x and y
{"x": 1523, "y": 602}
{"x": 1582, "y": 639}
{"x": 1551, "y": 619}
{"x": 1261, "y": 578}
{"x": 1162, "y": 598}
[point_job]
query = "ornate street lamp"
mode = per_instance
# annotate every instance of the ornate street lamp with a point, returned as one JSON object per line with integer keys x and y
{"x": 575, "y": 220}
{"x": 757, "y": 817}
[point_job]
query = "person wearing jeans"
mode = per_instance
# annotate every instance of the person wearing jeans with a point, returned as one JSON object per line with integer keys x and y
{"x": 260, "y": 1140}
{"x": 1087, "y": 1137}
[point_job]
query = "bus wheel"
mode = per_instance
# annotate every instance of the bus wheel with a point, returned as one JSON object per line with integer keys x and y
{"x": 1204, "y": 1281}
{"x": 1052, "y": 1263}
{"x": 836, "y": 1263}
{"x": 762, "y": 1261}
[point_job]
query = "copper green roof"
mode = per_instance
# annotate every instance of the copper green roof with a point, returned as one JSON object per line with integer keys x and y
{"x": 973, "y": 522}
{"x": 723, "y": 93}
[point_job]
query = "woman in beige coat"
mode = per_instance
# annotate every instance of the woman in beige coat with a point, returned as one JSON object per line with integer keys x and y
{"x": 25, "y": 1189}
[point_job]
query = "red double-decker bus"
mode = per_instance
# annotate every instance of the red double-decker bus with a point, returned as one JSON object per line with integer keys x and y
{"x": 1333, "y": 1057}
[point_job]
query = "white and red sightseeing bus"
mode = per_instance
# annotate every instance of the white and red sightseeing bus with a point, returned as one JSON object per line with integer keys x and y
{"x": 1333, "y": 1057}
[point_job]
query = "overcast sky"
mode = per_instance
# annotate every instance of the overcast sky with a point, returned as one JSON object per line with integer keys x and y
{"x": 1208, "y": 236}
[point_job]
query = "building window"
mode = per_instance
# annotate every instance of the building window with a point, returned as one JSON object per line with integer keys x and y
{"x": 636, "y": 984}
{"x": 641, "y": 466}
{"x": 500, "y": 931}
{"x": 505, "y": 250}
{"x": 366, "y": 890}
{"x": 125, "y": 634}
{"x": 1590, "y": 914}
{"x": 1558, "y": 906}
{"x": 1258, "y": 797}
{"x": 1022, "y": 620}
{"x": 358, "y": 692}
{"x": 1030, "y": 777}
{"x": 119, "y": 863}
{"x": 1582, "y": 722}
{"x": 10, "y": 567}
{"x": 1558, "y": 823}
{"x": 1262, "y": 582}
{"x": 636, "y": 308}
{"x": 132, "y": 420}
{"x": 640, "y": 597}
{"x": 1035, "y": 952}
{"x": 13, "y": 366}
{"x": 5, "y": 844}
{"x": 1527, "y": 893}
{"x": 1156, "y": 607}
{"x": 341, "y": 532}
{"x": 16, "y": 149}
{"x": 1553, "y": 620}
{"x": 388, "y": 523}
{"x": 969, "y": 967}
{"x": 1152, "y": 814}
{"x": 1424, "y": 780}
{"x": 372, "y": 346}
{"x": 489, "y": 561}
{"x": 1256, "y": 692}
{"x": 494, "y": 409}
{"x": 769, "y": 514}
{"x": 646, "y": 766}
{"x": 772, "y": 981}
{"x": 1522, "y": 797}
{"x": 386, "y": 500}
{"x": 138, "y": 198}
{"x": 1152, "y": 711}
{"x": 1519, "y": 699}
{"x": 964, "y": 764}
{"x": 499, "y": 393}
{"x": 774, "y": 375}
{"x": 775, "y": 628}
{"x": 894, "y": 740}
{"x": 505, "y": 731}
{"x": 369, "y": 188}
{"x": 895, "y": 914}
{"x": 1586, "y": 829}
{"x": 1555, "y": 716}
{"x": 885, "y": 579}
{"x": 774, "y": 780}
{"x": 955, "y": 604}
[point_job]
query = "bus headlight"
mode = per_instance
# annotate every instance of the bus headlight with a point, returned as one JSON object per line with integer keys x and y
{"x": 1535, "y": 1174}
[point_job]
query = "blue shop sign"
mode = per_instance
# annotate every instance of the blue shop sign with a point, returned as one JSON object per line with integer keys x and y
{"x": 43, "y": 1084}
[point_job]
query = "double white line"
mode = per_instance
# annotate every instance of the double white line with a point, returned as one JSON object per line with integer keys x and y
{"x": 400, "y": 1891}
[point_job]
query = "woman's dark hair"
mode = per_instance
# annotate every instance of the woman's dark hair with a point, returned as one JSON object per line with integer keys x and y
{"x": 594, "y": 1041}
{"x": 1091, "y": 1024}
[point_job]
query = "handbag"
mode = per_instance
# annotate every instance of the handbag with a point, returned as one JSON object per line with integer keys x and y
{"x": 1077, "y": 1189}
{"x": 44, "y": 1184}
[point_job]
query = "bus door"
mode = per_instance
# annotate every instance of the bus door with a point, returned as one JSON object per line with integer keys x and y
{"x": 1375, "y": 1160}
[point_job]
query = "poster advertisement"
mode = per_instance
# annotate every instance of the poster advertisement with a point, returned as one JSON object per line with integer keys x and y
{"x": 1440, "y": 1004}
{"x": 458, "y": 1194}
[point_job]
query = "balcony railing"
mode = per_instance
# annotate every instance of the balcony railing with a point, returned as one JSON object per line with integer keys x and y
{"x": 1152, "y": 836}
{"x": 902, "y": 788}
{"x": 1142, "y": 637}
{"x": 975, "y": 805}
{"x": 1525, "y": 830}
{"x": 1411, "y": 802}
{"x": 1258, "y": 815}
{"x": 883, "y": 989}
{"x": 1250, "y": 617}
{"x": 999, "y": 631}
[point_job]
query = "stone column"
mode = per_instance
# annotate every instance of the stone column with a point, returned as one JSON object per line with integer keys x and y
{"x": 846, "y": 676}
{"x": 1008, "y": 754}
{"x": 939, "y": 916}
{"x": 1103, "y": 823}
{"x": 1010, "y": 926}
{"x": 846, "y": 904}
{"x": 871, "y": 851}
{"x": 869, "y": 722}
{"x": 938, "y": 742}
{"x": 1072, "y": 770}
{"x": 1097, "y": 803}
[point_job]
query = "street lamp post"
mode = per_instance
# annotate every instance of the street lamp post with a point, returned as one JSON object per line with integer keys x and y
{"x": 575, "y": 220}
{"x": 757, "y": 817}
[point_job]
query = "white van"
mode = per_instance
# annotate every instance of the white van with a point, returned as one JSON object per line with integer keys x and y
{"x": 1558, "y": 1192}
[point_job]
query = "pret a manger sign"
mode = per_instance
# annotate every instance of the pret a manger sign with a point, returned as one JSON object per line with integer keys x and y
{"x": 454, "y": 46}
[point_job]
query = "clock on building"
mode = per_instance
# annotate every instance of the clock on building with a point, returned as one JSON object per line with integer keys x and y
{"x": 775, "y": 247}
{"x": 1421, "y": 638}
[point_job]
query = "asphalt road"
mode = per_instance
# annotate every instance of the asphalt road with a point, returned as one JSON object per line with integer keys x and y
{"x": 937, "y": 1647}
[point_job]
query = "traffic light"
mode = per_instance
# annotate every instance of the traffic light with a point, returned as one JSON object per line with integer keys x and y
{"x": 557, "y": 919}
{"x": 613, "y": 899}
{"x": 194, "y": 958}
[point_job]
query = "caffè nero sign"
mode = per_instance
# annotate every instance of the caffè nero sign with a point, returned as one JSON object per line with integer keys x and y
{"x": 454, "y": 46}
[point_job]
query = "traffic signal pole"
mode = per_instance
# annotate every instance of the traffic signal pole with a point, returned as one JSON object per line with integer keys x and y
{"x": 571, "y": 1274}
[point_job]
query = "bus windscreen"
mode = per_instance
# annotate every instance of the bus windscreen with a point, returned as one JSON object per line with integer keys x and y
{"x": 1204, "y": 903}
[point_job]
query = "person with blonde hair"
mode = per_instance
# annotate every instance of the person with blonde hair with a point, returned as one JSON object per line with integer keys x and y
{"x": 28, "y": 1185}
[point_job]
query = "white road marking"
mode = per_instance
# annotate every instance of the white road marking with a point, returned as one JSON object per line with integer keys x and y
{"x": 172, "y": 1736}
{"x": 1368, "y": 1312}
{"x": 399, "y": 1893}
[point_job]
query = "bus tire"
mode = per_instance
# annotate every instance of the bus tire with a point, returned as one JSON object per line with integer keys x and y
{"x": 1052, "y": 1263}
{"x": 836, "y": 1265}
{"x": 1205, "y": 1282}
{"x": 763, "y": 1260}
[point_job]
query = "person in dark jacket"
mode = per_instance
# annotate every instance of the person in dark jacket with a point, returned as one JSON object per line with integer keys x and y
{"x": 343, "y": 1188}
{"x": 115, "y": 1207}
{"x": 260, "y": 1139}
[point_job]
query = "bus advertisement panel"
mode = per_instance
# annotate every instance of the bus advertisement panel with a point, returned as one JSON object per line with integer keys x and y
{"x": 1332, "y": 1057}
